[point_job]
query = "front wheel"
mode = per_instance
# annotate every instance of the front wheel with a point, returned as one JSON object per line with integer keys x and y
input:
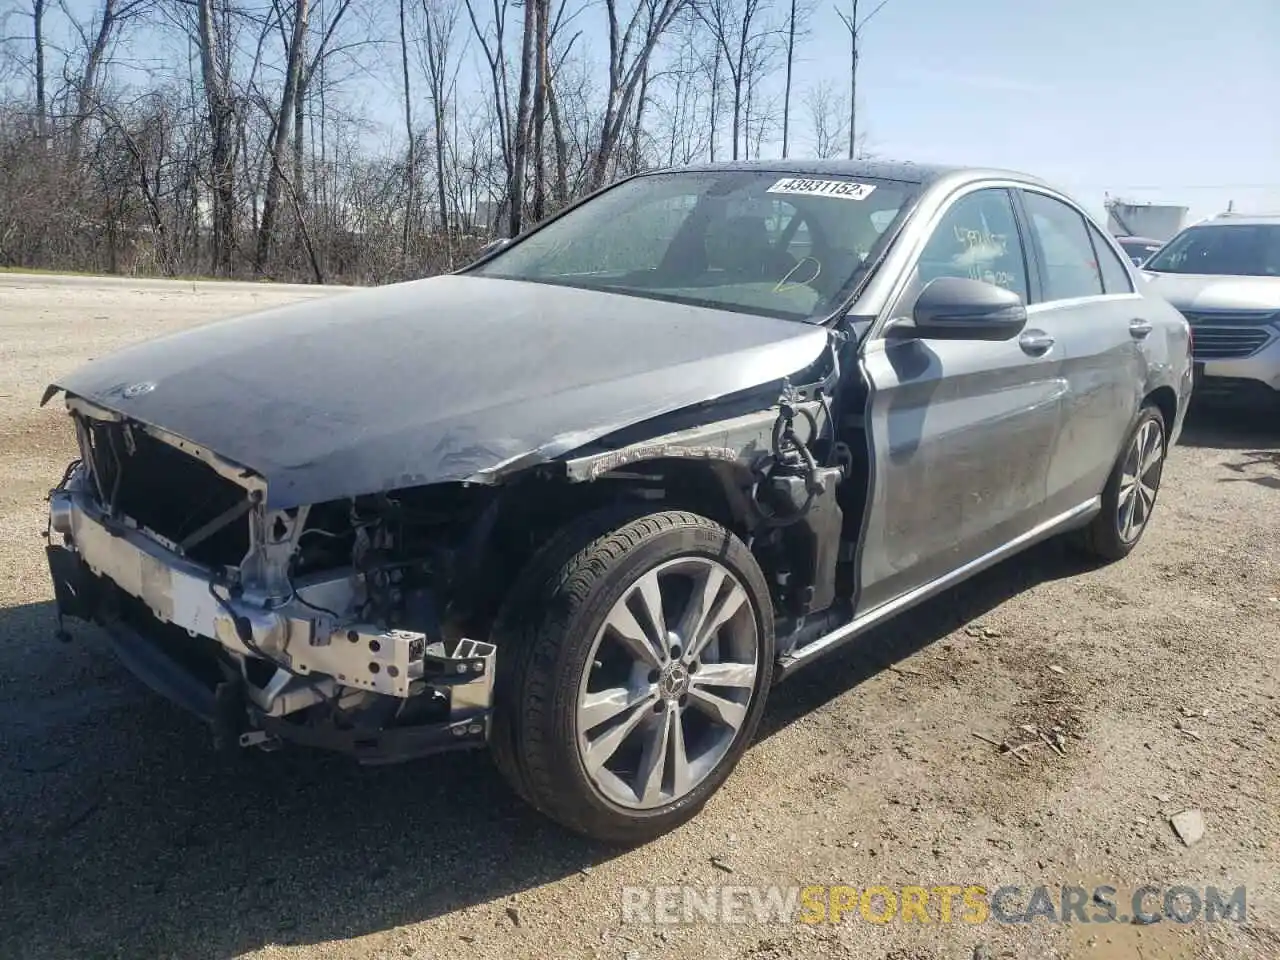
{"x": 634, "y": 656}
{"x": 1130, "y": 494}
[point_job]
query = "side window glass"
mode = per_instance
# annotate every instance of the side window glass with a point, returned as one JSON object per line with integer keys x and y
{"x": 977, "y": 239}
{"x": 1115, "y": 278}
{"x": 1070, "y": 267}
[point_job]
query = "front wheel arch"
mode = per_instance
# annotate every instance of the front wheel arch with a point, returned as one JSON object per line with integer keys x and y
{"x": 531, "y": 509}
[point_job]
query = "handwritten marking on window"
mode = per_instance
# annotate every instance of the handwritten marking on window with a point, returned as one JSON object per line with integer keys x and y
{"x": 982, "y": 249}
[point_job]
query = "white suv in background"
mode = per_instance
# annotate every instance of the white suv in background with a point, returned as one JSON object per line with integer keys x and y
{"x": 1223, "y": 274}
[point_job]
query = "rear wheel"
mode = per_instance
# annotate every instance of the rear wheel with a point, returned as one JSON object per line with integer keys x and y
{"x": 634, "y": 656}
{"x": 1130, "y": 495}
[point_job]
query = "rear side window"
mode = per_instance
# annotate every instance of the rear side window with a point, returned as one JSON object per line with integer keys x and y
{"x": 1070, "y": 267}
{"x": 1115, "y": 278}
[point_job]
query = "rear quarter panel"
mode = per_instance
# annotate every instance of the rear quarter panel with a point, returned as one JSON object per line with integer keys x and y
{"x": 1168, "y": 352}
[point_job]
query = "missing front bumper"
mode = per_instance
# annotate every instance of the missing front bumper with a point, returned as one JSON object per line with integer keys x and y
{"x": 155, "y": 634}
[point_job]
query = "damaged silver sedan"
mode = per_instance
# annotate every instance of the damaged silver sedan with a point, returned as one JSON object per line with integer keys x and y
{"x": 584, "y": 501}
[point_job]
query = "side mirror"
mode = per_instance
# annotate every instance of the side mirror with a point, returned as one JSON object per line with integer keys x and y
{"x": 494, "y": 245}
{"x": 957, "y": 308}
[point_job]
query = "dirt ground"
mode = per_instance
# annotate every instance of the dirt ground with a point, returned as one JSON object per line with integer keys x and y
{"x": 121, "y": 835}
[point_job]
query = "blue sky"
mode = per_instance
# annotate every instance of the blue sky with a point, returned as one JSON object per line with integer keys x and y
{"x": 1151, "y": 100}
{"x": 1178, "y": 97}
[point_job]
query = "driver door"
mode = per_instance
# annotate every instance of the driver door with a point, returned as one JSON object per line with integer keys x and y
{"x": 961, "y": 432}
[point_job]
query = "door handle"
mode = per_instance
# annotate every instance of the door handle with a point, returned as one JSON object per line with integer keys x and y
{"x": 1139, "y": 328}
{"x": 1035, "y": 342}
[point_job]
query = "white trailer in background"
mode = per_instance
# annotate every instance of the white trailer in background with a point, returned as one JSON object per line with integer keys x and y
{"x": 1158, "y": 221}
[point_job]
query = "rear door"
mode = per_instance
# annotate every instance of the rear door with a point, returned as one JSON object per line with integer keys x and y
{"x": 1088, "y": 305}
{"x": 961, "y": 432}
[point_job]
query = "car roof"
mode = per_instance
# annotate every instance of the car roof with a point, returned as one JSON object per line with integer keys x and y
{"x": 1127, "y": 239}
{"x": 903, "y": 170}
{"x": 1243, "y": 220}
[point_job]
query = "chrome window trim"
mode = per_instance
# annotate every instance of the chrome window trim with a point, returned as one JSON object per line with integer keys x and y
{"x": 1046, "y": 305}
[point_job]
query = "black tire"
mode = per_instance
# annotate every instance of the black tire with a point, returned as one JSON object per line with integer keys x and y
{"x": 1103, "y": 538}
{"x": 544, "y": 634}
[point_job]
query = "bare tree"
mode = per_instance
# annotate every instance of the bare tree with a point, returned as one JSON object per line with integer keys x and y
{"x": 280, "y": 134}
{"x": 797, "y": 29}
{"x": 541, "y": 42}
{"x": 745, "y": 39}
{"x": 828, "y": 119}
{"x": 684, "y": 131}
{"x": 411, "y": 168}
{"x": 142, "y": 137}
{"x": 215, "y": 74}
{"x": 854, "y": 26}
{"x": 520, "y": 129}
{"x": 38, "y": 8}
{"x": 492, "y": 40}
{"x": 759, "y": 121}
{"x": 715, "y": 80}
{"x": 629, "y": 51}
{"x": 561, "y": 191}
{"x": 112, "y": 16}
{"x": 246, "y": 122}
{"x": 636, "y": 138}
{"x": 324, "y": 48}
{"x": 573, "y": 128}
{"x": 440, "y": 19}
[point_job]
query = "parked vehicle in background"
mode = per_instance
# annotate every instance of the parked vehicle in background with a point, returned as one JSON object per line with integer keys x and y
{"x": 1138, "y": 249}
{"x": 1224, "y": 275}
{"x": 584, "y": 501}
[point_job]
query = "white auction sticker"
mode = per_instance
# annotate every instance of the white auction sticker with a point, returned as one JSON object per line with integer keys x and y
{"x": 843, "y": 189}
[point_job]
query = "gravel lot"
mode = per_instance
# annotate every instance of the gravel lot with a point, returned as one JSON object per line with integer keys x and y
{"x": 122, "y": 835}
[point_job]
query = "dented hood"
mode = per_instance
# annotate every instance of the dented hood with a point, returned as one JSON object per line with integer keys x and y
{"x": 449, "y": 378}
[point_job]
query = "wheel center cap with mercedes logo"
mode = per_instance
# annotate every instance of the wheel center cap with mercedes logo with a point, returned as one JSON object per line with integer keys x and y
{"x": 674, "y": 682}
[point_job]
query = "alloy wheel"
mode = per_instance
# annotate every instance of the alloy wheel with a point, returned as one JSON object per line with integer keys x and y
{"x": 668, "y": 683}
{"x": 1140, "y": 480}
